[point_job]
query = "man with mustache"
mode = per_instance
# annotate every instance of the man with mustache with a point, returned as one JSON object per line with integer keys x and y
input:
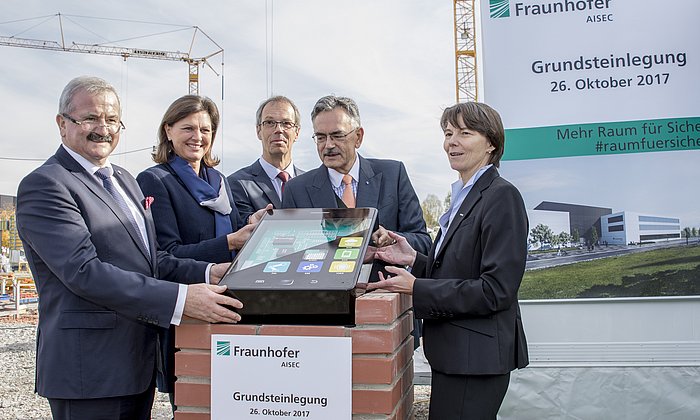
{"x": 346, "y": 179}
{"x": 256, "y": 186}
{"x": 89, "y": 238}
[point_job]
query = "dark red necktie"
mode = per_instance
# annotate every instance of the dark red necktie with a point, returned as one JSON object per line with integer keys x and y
{"x": 284, "y": 176}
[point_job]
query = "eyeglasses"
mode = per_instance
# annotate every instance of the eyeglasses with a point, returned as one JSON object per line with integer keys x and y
{"x": 90, "y": 123}
{"x": 286, "y": 125}
{"x": 321, "y": 138}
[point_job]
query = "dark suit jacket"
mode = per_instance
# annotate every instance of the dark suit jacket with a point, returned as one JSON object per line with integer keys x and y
{"x": 100, "y": 307}
{"x": 468, "y": 296}
{"x": 253, "y": 190}
{"x": 383, "y": 184}
{"x": 184, "y": 228}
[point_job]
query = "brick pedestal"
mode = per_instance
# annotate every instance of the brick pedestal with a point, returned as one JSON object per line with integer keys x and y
{"x": 382, "y": 358}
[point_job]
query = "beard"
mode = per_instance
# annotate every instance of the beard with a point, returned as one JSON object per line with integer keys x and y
{"x": 96, "y": 138}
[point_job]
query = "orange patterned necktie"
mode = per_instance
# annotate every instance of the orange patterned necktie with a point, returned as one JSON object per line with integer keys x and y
{"x": 348, "y": 196}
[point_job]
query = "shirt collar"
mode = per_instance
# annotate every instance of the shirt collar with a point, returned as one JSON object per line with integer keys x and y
{"x": 473, "y": 179}
{"x": 337, "y": 178}
{"x": 272, "y": 171}
{"x": 89, "y": 166}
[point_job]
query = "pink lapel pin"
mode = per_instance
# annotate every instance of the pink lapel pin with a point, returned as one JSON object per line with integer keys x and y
{"x": 147, "y": 202}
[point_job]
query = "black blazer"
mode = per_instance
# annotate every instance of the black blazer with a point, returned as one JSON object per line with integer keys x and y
{"x": 253, "y": 190}
{"x": 467, "y": 292}
{"x": 100, "y": 303}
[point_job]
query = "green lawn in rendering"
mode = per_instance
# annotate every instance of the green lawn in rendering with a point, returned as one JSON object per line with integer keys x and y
{"x": 663, "y": 272}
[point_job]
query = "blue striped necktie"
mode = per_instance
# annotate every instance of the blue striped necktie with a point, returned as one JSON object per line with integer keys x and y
{"x": 103, "y": 174}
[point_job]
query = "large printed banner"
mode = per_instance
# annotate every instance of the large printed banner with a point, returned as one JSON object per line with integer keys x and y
{"x": 592, "y": 77}
{"x": 601, "y": 104}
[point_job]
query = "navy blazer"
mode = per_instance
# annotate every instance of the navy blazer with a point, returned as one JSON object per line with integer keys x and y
{"x": 253, "y": 189}
{"x": 184, "y": 228}
{"x": 100, "y": 304}
{"x": 383, "y": 184}
{"x": 467, "y": 292}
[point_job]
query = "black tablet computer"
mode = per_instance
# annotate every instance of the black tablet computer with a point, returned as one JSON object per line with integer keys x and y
{"x": 302, "y": 261}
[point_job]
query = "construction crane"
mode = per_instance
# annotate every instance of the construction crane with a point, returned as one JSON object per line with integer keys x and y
{"x": 124, "y": 52}
{"x": 465, "y": 51}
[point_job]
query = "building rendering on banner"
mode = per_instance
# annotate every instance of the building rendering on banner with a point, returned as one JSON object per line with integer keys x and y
{"x": 582, "y": 219}
{"x": 629, "y": 227}
{"x": 619, "y": 228}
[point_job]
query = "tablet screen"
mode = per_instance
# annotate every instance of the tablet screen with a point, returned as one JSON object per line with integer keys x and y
{"x": 304, "y": 249}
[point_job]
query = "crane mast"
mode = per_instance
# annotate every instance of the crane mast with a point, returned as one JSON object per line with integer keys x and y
{"x": 465, "y": 51}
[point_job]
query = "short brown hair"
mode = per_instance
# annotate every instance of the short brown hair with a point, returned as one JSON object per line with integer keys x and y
{"x": 181, "y": 108}
{"x": 481, "y": 118}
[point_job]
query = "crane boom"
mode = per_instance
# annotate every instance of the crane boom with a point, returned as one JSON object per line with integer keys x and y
{"x": 124, "y": 52}
{"x": 96, "y": 49}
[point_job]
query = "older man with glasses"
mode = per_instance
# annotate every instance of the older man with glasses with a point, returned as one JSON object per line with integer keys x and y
{"x": 256, "y": 186}
{"x": 346, "y": 179}
{"x": 90, "y": 241}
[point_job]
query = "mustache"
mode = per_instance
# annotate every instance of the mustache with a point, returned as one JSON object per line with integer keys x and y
{"x": 94, "y": 137}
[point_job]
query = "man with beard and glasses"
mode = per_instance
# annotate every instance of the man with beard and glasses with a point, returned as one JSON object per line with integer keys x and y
{"x": 90, "y": 242}
{"x": 346, "y": 179}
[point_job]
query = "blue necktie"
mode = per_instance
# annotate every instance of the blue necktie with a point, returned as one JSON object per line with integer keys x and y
{"x": 103, "y": 174}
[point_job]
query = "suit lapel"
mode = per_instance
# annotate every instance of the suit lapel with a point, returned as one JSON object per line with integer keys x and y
{"x": 320, "y": 190}
{"x": 96, "y": 188}
{"x": 263, "y": 182}
{"x": 135, "y": 195}
{"x": 467, "y": 206}
{"x": 368, "y": 186}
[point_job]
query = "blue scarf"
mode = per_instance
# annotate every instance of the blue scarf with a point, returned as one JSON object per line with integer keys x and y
{"x": 209, "y": 191}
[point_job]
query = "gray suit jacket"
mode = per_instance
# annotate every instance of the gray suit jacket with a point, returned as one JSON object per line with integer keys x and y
{"x": 383, "y": 184}
{"x": 101, "y": 307}
{"x": 467, "y": 292}
{"x": 253, "y": 190}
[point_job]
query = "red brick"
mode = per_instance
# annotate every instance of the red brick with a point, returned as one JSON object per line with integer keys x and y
{"x": 382, "y": 373}
{"x": 377, "y": 308}
{"x": 381, "y": 369}
{"x": 191, "y": 363}
{"x": 303, "y": 330}
{"x": 236, "y": 329}
{"x": 381, "y": 399}
{"x": 381, "y": 339}
{"x": 193, "y": 336}
{"x": 184, "y": 415}
{"x": 192, "y": 394}
{"x": 404, "y": 410}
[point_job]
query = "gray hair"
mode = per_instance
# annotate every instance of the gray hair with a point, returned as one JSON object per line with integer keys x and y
{"x": 258, "y": 113}
{"x": 330, "y": 102}
{"x": 89, "y": 84}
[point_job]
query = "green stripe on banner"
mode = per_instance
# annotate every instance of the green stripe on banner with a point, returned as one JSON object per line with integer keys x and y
{"x": 607, "y": 138}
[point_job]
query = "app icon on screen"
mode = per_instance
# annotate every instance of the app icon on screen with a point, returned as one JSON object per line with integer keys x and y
{"x": 315, "y": 254}
{"x": 309, "y": 266}
{"x": 346, "y": 254}
{"x": 342, "y": 267}
{"x": 351, "y": 242}
{"x": 276, "y": 267}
